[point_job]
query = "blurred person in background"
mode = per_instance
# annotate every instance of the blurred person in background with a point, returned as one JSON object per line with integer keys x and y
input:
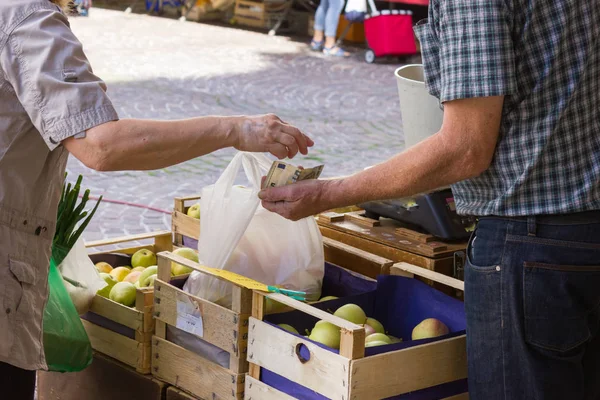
{"x": 52, "y": 104}
{"x": 83, "y": 7}
{"x": 327, "y": 18}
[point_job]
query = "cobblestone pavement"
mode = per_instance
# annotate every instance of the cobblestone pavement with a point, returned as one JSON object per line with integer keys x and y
{"x": 165, "y": 69}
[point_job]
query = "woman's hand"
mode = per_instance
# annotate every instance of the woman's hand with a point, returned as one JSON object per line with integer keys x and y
{"x": 268, "y": 133}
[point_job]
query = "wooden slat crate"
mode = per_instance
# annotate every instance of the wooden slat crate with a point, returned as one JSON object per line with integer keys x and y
{"x": 182, "y": 224}
{"x": 125, "y": 333}
{"x": 259, "y": 14}
{"x": 222, "y": 327}
{"x": 349, "y": 375}
{"x": 104, "y": 379}
{"x": 390, "y": 239}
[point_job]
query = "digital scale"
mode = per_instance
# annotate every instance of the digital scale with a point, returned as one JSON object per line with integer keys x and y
{"x": 435, "y": 213}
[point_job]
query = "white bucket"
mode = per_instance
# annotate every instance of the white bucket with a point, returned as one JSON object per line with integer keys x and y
{"x": 421, "y": 112}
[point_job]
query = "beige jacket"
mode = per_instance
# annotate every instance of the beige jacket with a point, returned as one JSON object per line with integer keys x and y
{"x": 47, "y": 94}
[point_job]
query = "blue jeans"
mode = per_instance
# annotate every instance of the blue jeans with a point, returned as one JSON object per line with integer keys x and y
{"x": 327, "y": 16}
{"x": 532, "y": 300}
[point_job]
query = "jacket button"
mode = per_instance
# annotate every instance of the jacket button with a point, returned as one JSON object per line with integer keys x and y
{"x": 8, "y": 310}
{"x": 25, "y": 222}
{"x": 38, "y": 230}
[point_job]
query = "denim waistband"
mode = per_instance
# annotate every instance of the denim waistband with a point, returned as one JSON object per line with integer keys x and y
{"x": 584, "y": 217}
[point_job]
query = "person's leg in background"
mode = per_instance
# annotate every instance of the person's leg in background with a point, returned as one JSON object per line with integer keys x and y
{"x": 332, "y": 19}
{"x": 319, "y": 26}
{"x": 19, "y": 383}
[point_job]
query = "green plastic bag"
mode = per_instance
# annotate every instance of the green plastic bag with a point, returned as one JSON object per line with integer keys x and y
{"x": 66, "y": 343}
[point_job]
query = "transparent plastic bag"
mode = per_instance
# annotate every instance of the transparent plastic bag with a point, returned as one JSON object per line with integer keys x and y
{"x": 239, "y": 235}
{"x": 81, "y": 279}
{"x": 66, "y": 344}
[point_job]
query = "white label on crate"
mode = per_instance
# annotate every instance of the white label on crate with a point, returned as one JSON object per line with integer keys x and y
{"x": 189, "y": 317}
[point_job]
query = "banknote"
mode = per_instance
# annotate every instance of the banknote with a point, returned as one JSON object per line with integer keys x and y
{"x": 282, "y": 174}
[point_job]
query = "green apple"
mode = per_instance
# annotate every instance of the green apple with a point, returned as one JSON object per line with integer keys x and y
{"x": 124, "y": 293}
{"x": 138, "y": 269}
{"x": 185, "y": 252}
{"x": 327, "y": 334}
{"x": 143, "y": 258}
{"x": 376, "y": 343}
{"x": 148, "y": 272}
{"x": 150, "y": 281}
{"x": 378, "y": 337}
{"x": 105, "y": 291}
{"x": 194, "y": 211}
{"x": 376, "y": 325}
{"x": 352, "y": 313}
{"x": 289, "y": 328}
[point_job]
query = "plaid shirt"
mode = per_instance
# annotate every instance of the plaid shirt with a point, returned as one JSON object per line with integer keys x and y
{"x": 544, "y": 57}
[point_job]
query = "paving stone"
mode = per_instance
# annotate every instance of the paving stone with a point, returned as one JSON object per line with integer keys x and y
{"x": 162, "y": 68}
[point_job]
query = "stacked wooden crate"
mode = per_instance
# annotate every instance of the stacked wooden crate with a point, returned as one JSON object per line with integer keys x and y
{"x": 350, "y": 375}
{"x": 260, "y": 14}
{"x": 121, "y": 332}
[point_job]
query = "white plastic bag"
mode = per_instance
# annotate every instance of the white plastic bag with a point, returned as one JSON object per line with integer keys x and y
{"x": 80, "y": 277}
{"x": 239, "y": 235}
{"x": 355, "y": 10}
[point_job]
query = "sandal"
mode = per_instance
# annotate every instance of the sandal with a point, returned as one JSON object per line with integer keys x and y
{"x": 335, "y": 51}
{"x": 316, "y": 45}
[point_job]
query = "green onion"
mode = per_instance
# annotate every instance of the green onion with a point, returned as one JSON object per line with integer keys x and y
{"x": 69, "y": 215}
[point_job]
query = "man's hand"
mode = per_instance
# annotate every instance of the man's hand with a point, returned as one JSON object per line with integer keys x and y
{"x": 297, "y": 201}
{"x": 462, "y": 149}
{"x": 268, "y": 133}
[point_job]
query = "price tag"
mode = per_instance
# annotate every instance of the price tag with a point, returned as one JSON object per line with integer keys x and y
{"x": 189, "y": 317}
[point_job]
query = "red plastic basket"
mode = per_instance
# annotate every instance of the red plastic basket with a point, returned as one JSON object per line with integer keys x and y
{"x": 390, "y": 33}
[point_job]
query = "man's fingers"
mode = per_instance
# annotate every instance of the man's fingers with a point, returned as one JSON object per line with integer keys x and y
{"x": 309, "y": 141}
{"x": 290, "y": 143}
{"x": 276, "y": 194}
{"x": 278, "y": 150}
{"x": 263, "y": 180}
{"x": 298, "y": 137}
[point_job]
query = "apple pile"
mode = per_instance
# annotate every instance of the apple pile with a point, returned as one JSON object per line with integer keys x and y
{"x": 123, "y": 281}
{"x": 328, "y": 334}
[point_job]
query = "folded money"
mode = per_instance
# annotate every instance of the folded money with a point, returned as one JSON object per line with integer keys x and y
{"x": 282, "y": 174}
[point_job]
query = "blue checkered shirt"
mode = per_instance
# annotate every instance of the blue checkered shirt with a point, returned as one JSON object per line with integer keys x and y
{"x": 544, "y": 57}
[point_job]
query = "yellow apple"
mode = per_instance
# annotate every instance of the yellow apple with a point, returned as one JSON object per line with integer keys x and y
{"x": 104, "y": 267}
{"x": 120, "y": 273}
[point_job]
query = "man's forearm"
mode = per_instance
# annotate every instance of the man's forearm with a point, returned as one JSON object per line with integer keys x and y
{"x": 431, "y": 164}
{"x": 131, "y": 144}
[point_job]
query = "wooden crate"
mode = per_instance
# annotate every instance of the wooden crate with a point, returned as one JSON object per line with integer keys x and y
{"x": 349, "y": 375}
{"x": 390, "y": 239}
{"x": 104, "y": 379}
{"x": 182, "y": 224}
{"x": 125, "y": 333}
{"x": 222, "y": 327}
{"x": 261, "y": 14}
